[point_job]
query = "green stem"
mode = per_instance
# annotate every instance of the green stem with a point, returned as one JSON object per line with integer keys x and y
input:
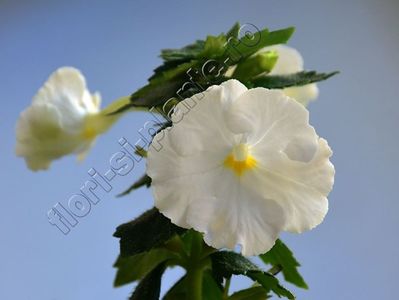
{"x": 226, "y": 288}
{"x": 275, "y": 270}
{"x": 195, "y": 269}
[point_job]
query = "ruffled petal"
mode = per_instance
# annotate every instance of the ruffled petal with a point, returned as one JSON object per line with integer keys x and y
{"x": 268, "y": 118}
{"x": 56, "y": 123}
{"x": 300, "y": 187}
{"x": 230, "y": 213}
{"x": 66, "y": 89}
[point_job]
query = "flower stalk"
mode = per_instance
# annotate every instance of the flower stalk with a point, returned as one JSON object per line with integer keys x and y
{"x": 195, "y": 269}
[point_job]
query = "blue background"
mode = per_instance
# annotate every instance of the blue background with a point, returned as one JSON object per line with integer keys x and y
{"x": 352, "y": 255}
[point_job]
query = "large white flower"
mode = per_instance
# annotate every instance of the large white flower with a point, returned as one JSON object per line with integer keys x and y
{"x": 241, "y": 166}
{"x": 63, "y": 118}
{"x": 290, "y": 61}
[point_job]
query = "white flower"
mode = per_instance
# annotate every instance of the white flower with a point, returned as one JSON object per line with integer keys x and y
{"x": 290, "y": 61}
{"x": 241, "y": 166}
{"x": 63, "y": 118}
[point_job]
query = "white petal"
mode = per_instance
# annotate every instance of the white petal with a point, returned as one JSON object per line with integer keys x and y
{"x": 303, "y": 94}
{"x": 268, "y": 115}
{"x": 199, "y": 140}
{"x": 187, "y": 136}
{"x": 55, "y": 124}
{"x": 231, "y": 213}
{"x": 66, "y": 89}
{"x": 228, "y": 213}
{"x": 300, "y": 187}
{"x": 289, "y": 60}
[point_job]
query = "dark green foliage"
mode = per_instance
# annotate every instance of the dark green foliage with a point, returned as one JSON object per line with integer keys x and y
{"x": 226, "y": 263}
{"x": 210, "y": 289}
{"x": 256, "y": 40}
{"x": 270, "y": 283}
{"x": 281, "y": 256}
{"x": 253, "y": 293}
{"x": 148, "y": 231}
{"x": 176, "y": 69}
{"x": 132, "y": 268}
{"x": 284, "y": 81}
{"x": 150, "y": 287}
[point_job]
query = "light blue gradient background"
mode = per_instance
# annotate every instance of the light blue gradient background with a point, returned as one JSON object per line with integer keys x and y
{"x": 352, "y": 255}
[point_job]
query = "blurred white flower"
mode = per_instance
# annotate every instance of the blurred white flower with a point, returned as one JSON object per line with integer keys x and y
{"x": 290, "y": 61}
{"x": 63, "y": 118}
{"x": 241, "y": 166}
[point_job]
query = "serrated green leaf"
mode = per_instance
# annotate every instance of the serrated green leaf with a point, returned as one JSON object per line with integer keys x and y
{"x": 253, "y": 293}
{"x": 214, "y": 46}
{"x": 250, "y": 44}
{"x": 281, "y": 255}
{"x": 150, "y": 287}
{"x": 156, "y": 92}
{"x": 226, "y": 263}
{"x": 169, "y": 78}
{"x": 183, "y": 54}
{"x": 269, "y": 282}
{"x": 233, "y": 31}
{"x": 210, "y": 289}
{"x": 296, "y": 79}
{"x": 279, "y": 36}
{"x": 145, "y": 180}
{"x": 132, "y": 268}
{"x": 148, "y": 231}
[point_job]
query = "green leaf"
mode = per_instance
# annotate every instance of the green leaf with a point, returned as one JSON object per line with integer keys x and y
{"x": 150, "y": 230}
{"x": 214, "y": 46}
{"x": 281, "y": 256}
{"x": 253, "y": 293}
{"x": 233, "y": 31}
{"x": 210, "y": 289}
{"x": 250, "y": 44}
{"x": 183, "y": 54}
{"x": 145, "y": 180}
{"x": 255, "y": 65}
{"x": 156, "y": 92}
{"x": 150, "y": 287}
{"x": 226, "y": 263}
{"x": 279, "y": 36}
{"x": 132, "y": 268}
{"x": 296, "y": 79}
{"x": 269, "y": 282}
{"x": 177, "y": 291}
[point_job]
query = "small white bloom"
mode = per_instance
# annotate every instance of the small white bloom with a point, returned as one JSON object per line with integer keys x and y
{"x": 63, "y": 118}
{"x": 241, "y": 166}
{"x": 290, "y": 61}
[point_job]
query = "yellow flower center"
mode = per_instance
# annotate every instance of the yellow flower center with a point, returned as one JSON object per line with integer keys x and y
{"x": 240, "y": 160}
